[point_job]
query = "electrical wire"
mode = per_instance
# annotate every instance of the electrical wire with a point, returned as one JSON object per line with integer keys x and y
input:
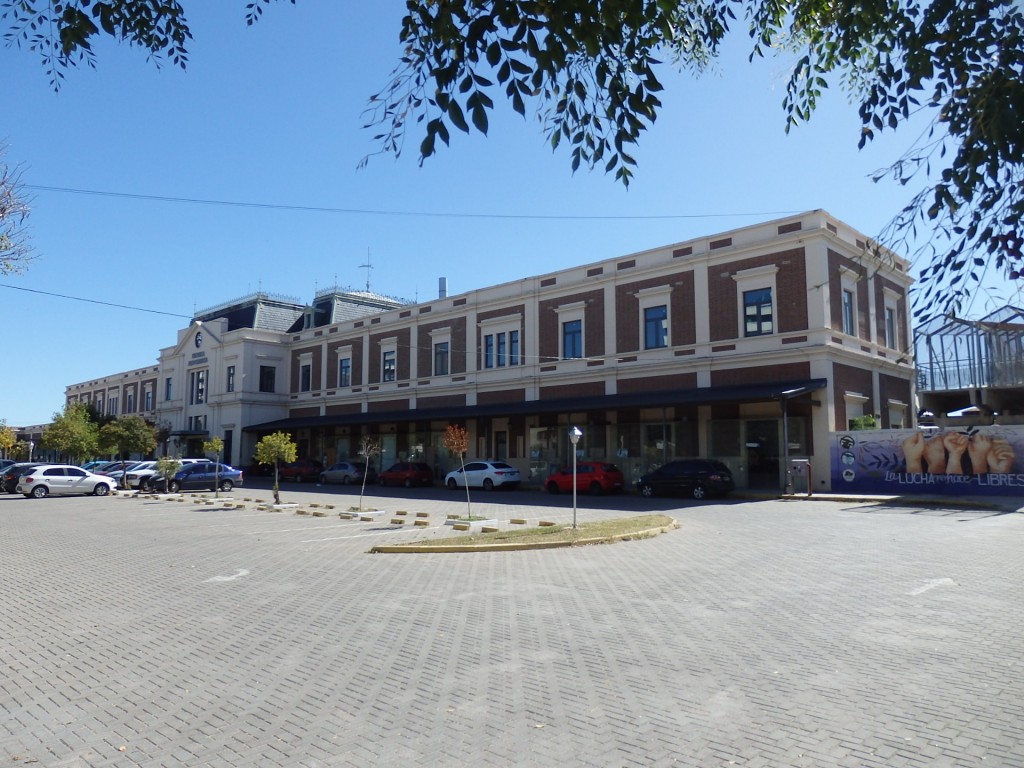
{"x": 374, "y": 212}
{"x": 94, "y": 301}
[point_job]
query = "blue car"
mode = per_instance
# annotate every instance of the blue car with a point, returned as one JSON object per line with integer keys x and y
{"x": 201, "y": 476}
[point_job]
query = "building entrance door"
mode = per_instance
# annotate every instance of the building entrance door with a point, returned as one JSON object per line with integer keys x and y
{"x": 762, "y": 451}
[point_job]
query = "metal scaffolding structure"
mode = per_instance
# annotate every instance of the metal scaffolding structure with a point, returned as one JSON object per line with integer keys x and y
{"x": 954, "y": 354}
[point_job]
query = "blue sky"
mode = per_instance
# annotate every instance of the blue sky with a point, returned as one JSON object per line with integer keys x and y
{"x": 272, "y": 115}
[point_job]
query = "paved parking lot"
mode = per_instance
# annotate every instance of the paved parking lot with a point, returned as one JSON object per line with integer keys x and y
{"x": 154, "y": 633}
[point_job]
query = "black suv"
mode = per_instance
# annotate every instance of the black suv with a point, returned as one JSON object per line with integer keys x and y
{"x": 696, "y": 477}
{"x": 11, "y": 474}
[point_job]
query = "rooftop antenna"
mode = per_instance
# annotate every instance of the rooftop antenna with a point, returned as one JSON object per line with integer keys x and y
{"x": 367, "y": 266}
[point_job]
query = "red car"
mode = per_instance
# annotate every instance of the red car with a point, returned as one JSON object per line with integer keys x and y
{"x": 407, "y": 473}
{"x": 302, "y": 471}
{"x": 591, "y": 476}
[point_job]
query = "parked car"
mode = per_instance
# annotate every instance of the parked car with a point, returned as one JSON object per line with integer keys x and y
{"x": 92, "y": 465}
{"x": 5, "y": 463}
{"x": 200, "y": 476}
{"x": 346, "y": 472}
{"x": 141, "y": 476}
{"x": 697, "y": 477}
{"x": 303, "y": 470}
{"x": 63, "y": 480}
{"x": 483, "y": 474}
{"x": 407, "y": 473}
{"x": 110, "y": 467}
{"x": 595, "y": 477}
{"x": 10, "y": 476}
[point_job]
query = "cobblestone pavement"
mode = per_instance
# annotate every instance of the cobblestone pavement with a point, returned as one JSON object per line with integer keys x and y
{"x": 139, "y": 632}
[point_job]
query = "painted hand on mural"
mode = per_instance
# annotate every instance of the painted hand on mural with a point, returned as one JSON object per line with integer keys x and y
{"x": 935, "y": 455}
{"x": 1000, "y": 458}
{"x": 978, "y": 450}
{"x": 913, "y": 451}
{"x": 956, "y": 444}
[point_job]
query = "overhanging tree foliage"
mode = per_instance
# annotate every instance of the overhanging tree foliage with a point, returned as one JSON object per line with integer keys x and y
{"x": 589, "y": 70}
{"x": 15, "y": 252}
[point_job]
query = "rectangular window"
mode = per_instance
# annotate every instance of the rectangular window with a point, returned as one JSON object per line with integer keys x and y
{"x": 305, "y": 377}
{"x": 197, "y": 388}
{"x": 572, "y": 339}
{"x": 441, "y": 359}
{"x": 388, "y": 366}
{"x": 268, "y": 376}
{"x": 489, "y": 350}
{"x": 167, "y": 388}
{"x": 345, "y": 372}
{"x": 501, "y": 350}
{"x": 149, "y": 400}
{"x": 129, "y": 403}
{"x": 848, "y": 315}
{"x": 890, "y": 328}
{"x": 513, "y": 347}
{"x": 656, "y": 327}
{"x": 112, "y": 406}
{"x": 757, "y": 312}
{"x": 231, "y": 379}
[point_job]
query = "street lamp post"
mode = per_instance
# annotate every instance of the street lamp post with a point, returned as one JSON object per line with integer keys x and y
{"x": 574, "y": 436}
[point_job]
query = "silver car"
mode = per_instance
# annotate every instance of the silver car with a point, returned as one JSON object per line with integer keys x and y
{"x": 483, "y": 474}
{"x": 63, "y": 480}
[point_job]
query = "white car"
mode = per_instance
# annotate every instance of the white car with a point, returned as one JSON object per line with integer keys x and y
{"x": 483, "y": 474}
{"x": 63, "y": 480}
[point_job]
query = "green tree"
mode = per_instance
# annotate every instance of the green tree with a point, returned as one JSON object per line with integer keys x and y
{"x": 273, "y": 449}
{"x": 125, "y": 436}
{"x": 72, "y": 433}
{"x": 167, "y": 467}
{"x": 8, "y": 438}
{"x": 591, "y": 73}
{"x": 213, "y": 447}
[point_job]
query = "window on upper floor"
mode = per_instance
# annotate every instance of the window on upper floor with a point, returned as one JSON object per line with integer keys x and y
{"x": 572, "y": 339}
{"x": 757, "y": 312}
{"x": 268, "y": 378}
{"x": 231, "y": 379}
{"x": 345, "y": 372}
{"x": 149, "y": 400}
{"x": 388, "y": 365}
{"x": 112, "y": 406}
{"x": 890, "y": 328}
{"x": 129, "y": 403}
{"x": 656, "y": 327}
{"x": 197, "y": 387}
{"x": 441, "y": 359}
{"x": 168, "y": 382}
{"x": 489, "y": 350}
{"x": 305, "y": 377}
{"x": 849, "y": 313}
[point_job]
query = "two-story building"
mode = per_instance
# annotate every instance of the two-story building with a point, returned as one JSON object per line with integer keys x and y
{"x": 749, "y": 346}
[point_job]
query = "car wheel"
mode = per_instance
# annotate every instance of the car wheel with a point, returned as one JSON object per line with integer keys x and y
{"x": 101, "y": 489}
{"x": 174, "y": 486}
{"x": 408, "y": 482}
{"x": 646, "y": 490}
{"x": 226, "y": 485}
{"x": 452, "y": 485}
{"x": 346, "y": 480}
{"x": 39, "y": 492}
{"x": 596, "y": 489}
{"x": 699, "y": 492}
{"x": 323, "y": 479}
{"x": 144, "y": 485}
{"x": 552, "y": 487}
{"x": 488, "y": 484}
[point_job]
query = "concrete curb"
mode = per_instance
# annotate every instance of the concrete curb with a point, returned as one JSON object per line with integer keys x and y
{"x": 394, "y": 549}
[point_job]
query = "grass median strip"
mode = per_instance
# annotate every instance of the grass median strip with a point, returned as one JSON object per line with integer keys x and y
{"x": 598, "y": 532}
